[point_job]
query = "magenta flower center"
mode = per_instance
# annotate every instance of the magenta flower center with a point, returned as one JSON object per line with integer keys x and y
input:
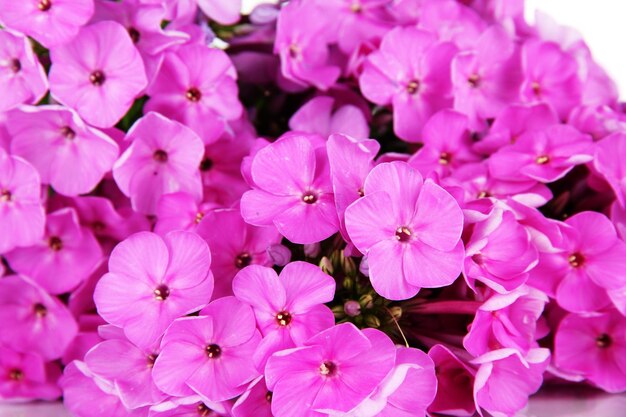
{"x": 283, "y": 318}
{"x": 576, "y": 260}
{"x": 243, "y": 260}
{"x": 160, "y": 156}
{"x": 356, "y": 7}
{"x": 445, "y": 158}
{"x": 193, "y": 94}
{"x": 474, "y": 80}
{"x": 97, "y": 78}
{"x": 5, "y": 195}
{"x": 199, "y": 217}
{"x": 310, "y": 197}
{"x": 294, "y": 51}
{"x": 68, "y": 133}
{"x": 134, "y": 34}
{"x": 268, "y": 396}
{"x": 162, "y": 292}
{"x": 483, "y": 194}
{"x": 206, "y": 164}
{"x": 15, "y": 65}
{"x": 403, "y": 234}
{"x": 328, "y": 368}
{"x": 40, "y": 310}
{"x": 44, "y": 5}
{"x": 203, "y": 410}
{"x": 151, "y": 359}
{"x": 213, "y": 351}
{"x": 604, "y": 341}
{"x": 16, "y": 375}
{"x": 98, "y": 226}
{"x": 55, "y": 243}
{"x": 542, "y": 159}
{"x": 536, "y": 87}
{"x": 413, "y": 87}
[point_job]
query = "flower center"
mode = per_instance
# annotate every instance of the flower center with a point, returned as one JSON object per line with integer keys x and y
{"x": 328, "y": 368}
{"x": 536, "y": 87}
{"x": 356, "y": 7}
{"x": 242, "y": 260}
{"x": 310, "y": 197}
{"x": 403, "y": 234}
{"x": 361, "y": 192}
{"x": 193, "y": 94}
{"x": 484, "y": 194}
{"x": 55, "y": 243}
{"x": 542, "y": 159}
{"x": 268, "y": 396}
{"x": 5, "y": 195}
{"x": 160, "y": 156}
{"x": 98, "y": 226}
{"x": 213, "y": 351}
{"x": 97, "y": 78}
{"x": 134, "y": 34}
{"x": 474, "y": 80}
{"x": 604, "y": 341}
{"x": 40, "y": 310}
{"x": 16, "y": 375}
{"x": 283, "y": 318}
{"x": 151, "y": 359}
{"x": 445, "y": 158}
{"x": 203, "y": 410}
{"x": 44, "y": 5}
{"x": 199, "y": 217}
{"x": 15, "y": 65}
{"x": 576, "y": 260}
{"x": 294, "y": 51}
{"x": 206, "y": 164}
{"x": 162, "y": 292}
{"x": 68, "y": 133}
{"x": 413, "y": 87}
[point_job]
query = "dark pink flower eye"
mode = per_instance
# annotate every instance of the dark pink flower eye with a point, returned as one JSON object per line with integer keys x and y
{"x": 445, "y": 158}
{"x": 283, "y": 318}
{"x": 16, "y": 375}
{"x": 97, "y": 78}
{"x": 206, "y": 164}
{"x": 68, "y": 133}
{"x": 328, "y": 368}
{"x": 162, "y": 292}
{"x": 243, "y": 260}
{"x": 160, "y": 156}
{"x": 310, "y": 197}
{"x": 213, "y": 351}
{"x": 193, "y": 94}
{"x": 542, "y": 159}
{"x": 474, "y": 80}
{"x": 134, "y": 34}
{"x": 413, "y": 87}
{"x": 55, "y": 243}
{"x": 40, "y": 310}
{"x": 15, "y": 65}
{"x": 604, "y": 341}
{"x": 5, "y": 195}
{"x": 576, "y": 260}
{"x": 44, "y": 5}
{"x": 151, "y": 359}
{"x": 403, "y": 234}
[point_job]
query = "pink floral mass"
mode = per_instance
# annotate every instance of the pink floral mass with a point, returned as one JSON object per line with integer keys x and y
{"x": 340, "y": 208}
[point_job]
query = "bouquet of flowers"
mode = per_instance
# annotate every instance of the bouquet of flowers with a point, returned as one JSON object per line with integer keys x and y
{"x": 346, "y": 208}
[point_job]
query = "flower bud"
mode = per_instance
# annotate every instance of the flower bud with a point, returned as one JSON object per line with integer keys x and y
{"x": 312, "y": 250}
{"x": 352, "y": 308}
{"x": 327, "y": 265}
{"x": 279, "y": 254}
{"x": 372, "y": 321}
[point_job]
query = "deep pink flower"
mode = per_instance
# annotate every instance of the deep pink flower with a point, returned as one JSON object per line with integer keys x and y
{"x": 550, "y": 76}
{"x": 98, "y": 74}
{"x": 545, "y": 156}
{"x": 64, "y": 258}
{"x": 410, "y": 230}
{"x": 608, "y": 155}
{"x": 50, "y": 22}
{"x": 87, "y": 395}
{"x": 289, "y": 308}
{"x": 154, "y": 165}
{"x": 302, "y": 45}
{"x": 152, "y": 281}
{"x": 22, "y": 216}
{"x": 319, "y": 115}
{"x": 132, "y": 373}
{"x": 507, "y": 321}
{"x": 196, "y": 85}
{"x": 499, "y": 253}
{"x": 505, "y": 379}
{"x": 455, "y": 380}
{"x": 447, "y": 144}
{"x": 210, "y": 355}
{"x": 25, "y": 377}
{"x": 32, "y": 320}
{"x": 235, "y": 245}
{"x": 593, "y": 346}
{"x": 488, "y": 77}
{"x": 333, "y": 372}
{"x": 293, "y": 189}
{"x": 589, "y": 261}
{"x": 69, "y": 155}
{"x": 411, "y": 71}
{"x": 22, "y": 78}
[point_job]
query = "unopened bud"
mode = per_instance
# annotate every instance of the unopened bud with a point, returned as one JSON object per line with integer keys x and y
{"x": 279, "y": 254}
{"x": 348, "y": 283}
{"x": 372, "y": 321}
{"x": 312, "y": 250}
{"x": 327, "y": 265}
{"x": 348, "y": 266}
{"x": 396, "y": 312}
{"x": 366, "y": 301}
{"x": 352, "y": 308}
{"x": 364, "y": 267}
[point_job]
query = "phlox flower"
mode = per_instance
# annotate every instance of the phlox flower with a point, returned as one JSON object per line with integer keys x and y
{"x": 152, "y": 281}
{"x": 452, "y": 21}
{"x": 410, "y": 230}
{"x": 410, "y": 71}
{"x": 25, "y": 377}
{"x": 332, "y": 372}
{"x": 154, "y": 165}
{"x": 32, "y": 320}
{"x": 64, "y": 258}
{"x": 98, "y": 74}
{"x": 22, "y": 216}
{"x": 22, "y": 78}
{"x": 50, "y": 22}
{"x": 455, "y": 381}
{"x": 593, "y": 346}
{"x": 320, "y": 116}
{"x": 289, "y": 308}
{"x": 292, "y": 189}
{"x": 255, "y": 401}
{"x": 210, "y": 355}
{"x": 69, "y": 155}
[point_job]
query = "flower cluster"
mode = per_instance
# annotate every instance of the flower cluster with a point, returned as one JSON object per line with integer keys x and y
{"x": 196, "y": 221}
